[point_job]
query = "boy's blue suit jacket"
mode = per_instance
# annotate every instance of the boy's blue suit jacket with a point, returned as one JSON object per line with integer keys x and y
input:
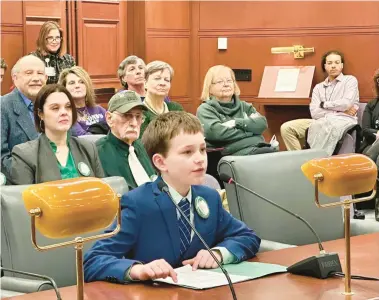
{"x": 149, "y": 231}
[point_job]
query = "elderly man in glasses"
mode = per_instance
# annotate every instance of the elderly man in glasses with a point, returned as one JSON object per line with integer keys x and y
{"x": 121, "y": 153}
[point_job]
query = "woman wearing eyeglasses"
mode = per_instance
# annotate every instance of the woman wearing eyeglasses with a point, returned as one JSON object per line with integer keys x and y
{"x": 50, "y": 48}
{"x": 228, "y": 122}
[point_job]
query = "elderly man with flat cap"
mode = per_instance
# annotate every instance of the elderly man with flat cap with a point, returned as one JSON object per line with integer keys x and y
{"x": 121, "y": 153}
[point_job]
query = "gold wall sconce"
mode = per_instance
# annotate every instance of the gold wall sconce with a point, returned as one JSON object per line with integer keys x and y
{"x": 297, "y": 50}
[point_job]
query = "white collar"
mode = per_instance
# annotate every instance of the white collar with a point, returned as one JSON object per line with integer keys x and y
{"x": 177, "y": 197}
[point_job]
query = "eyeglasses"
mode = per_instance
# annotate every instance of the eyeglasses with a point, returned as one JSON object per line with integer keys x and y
{"x": 127, "y": 118}
{"x": 51, "y": 39}
{"x": 223, "y": 82}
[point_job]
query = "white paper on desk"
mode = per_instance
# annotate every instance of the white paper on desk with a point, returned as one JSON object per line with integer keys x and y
{"x": 201, "y": 279}
{"x": 287, "y": 80}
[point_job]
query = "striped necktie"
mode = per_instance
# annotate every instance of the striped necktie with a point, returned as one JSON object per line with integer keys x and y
{"x": 184, "y": 227}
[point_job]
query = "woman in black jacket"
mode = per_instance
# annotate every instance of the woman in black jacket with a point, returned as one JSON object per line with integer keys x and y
{"x": 370, "y": 123}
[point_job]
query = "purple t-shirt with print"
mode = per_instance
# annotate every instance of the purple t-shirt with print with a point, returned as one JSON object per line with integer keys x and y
{"x": 86, "y": 117}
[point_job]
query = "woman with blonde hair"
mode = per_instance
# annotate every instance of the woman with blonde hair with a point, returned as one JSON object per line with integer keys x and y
{"x": 79, "y": 84}
{"x": 158, "y": 77}
{"x": 228, "y": 122}
{"x": 50, "y": 51}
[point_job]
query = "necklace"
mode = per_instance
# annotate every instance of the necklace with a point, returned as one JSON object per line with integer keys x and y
{"x": 165, "y": 108}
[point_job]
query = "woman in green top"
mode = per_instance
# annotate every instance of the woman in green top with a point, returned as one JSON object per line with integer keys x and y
{"x": 158, "y": 76}
{"x": 54, "y": 155}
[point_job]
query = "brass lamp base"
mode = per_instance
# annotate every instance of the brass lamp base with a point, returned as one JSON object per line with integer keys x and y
{"x": 346, "y": 207}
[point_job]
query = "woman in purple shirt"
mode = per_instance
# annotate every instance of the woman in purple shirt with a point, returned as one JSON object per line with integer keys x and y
{"x": 79, "y": 84}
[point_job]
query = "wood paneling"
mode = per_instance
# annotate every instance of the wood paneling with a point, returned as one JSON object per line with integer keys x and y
{"x": 101, "y": 30}
{"x": 266, "y": 15}
{"x": 96, "y": 49}
{"x": 169, "y": 15}
{"x": 11, "y": 38}
{"x": 166, "y": 49}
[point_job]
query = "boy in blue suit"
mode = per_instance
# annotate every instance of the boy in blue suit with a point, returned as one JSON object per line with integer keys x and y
{"x": 154, "y": 238}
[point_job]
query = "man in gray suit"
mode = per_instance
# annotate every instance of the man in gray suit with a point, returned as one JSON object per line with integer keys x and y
{"x": 17, "y": 120}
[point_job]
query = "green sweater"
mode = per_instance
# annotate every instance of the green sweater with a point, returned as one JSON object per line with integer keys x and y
{"x": 239, "y": 140}
{"x": 113, "y": 155}
{"x": 149, "y": 115}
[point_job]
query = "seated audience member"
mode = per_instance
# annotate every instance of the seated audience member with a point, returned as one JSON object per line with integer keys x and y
{"x": 131, "y": 73}
{"x": 54, "y": 155}
{"x": 333, "y": 108}
{"x": 49, "y": 50}
{"x": 158, "y": 79}
{"x": 121, "y": 152}
{"x": 370, "y": 120}
{"x": 4, "y": 67}
{"x": 154, "y": 238}
{"x": 228, "y": 122}
{"x": 79, "y": 84}
{"x": 17, "y": 120}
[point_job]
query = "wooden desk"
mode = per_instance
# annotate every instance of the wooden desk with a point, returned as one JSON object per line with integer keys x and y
{"x": 365, "y": 261}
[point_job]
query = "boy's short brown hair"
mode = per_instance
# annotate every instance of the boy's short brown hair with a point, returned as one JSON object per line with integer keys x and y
{"x": 165, "y": 127}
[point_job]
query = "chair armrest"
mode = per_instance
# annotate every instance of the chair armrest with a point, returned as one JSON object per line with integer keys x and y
{"x": 23, "y": 285}
{"x": 271, "y": 245}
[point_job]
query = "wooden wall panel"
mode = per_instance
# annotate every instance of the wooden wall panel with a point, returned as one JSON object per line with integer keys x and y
{"x": 102, "y": 35}
{"x": 96, "y": 50}
{"x": 11, "y": 38}
{"x": 266, "y": 15}
{"x": 167, "y": 15}
{"x": 166, "y": 49}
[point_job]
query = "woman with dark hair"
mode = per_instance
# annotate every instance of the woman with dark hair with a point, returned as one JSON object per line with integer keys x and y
{"x": 50, "y": 51}
{"x": 370, "y": 119}
{"x": 55, "y": 154}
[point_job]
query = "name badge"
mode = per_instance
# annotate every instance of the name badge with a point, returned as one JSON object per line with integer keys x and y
{"x": 202, "y": 207}
{"x": 83, "y": 169}
{"x": 3, "y": 179}
{"x": 50, "y": 71}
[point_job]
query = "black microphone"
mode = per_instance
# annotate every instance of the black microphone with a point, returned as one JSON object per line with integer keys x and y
{"x": 321, "y": 266}
{"x": 164, "y": 188}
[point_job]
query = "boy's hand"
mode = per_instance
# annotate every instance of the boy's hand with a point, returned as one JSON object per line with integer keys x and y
{"x": 203, "y": 260}
{"x": 154, "y": 270}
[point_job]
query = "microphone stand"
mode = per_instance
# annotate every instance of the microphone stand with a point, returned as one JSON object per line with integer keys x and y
{"x": 166, "y": 190}
{"x": 321, "y": 266}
